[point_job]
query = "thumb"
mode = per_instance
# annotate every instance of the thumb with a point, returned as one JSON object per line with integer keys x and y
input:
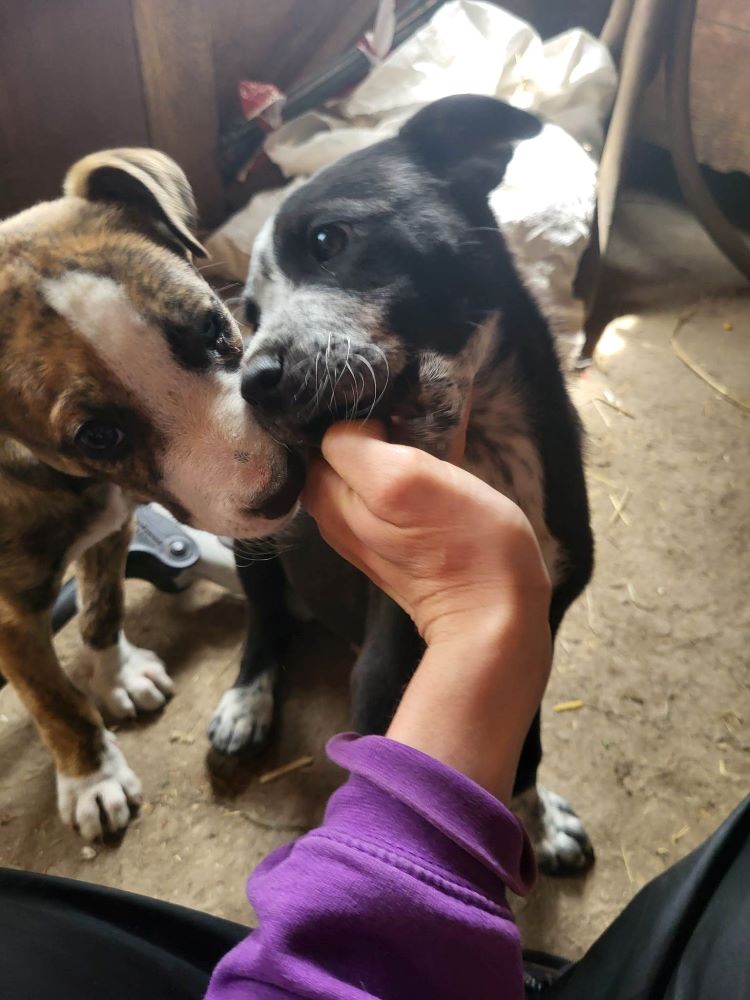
{"x": 345, "y": 445}
{"x": 373, "y": 430}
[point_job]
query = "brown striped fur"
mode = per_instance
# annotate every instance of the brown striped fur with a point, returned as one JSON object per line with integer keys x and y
{"x": 124, "y": 223}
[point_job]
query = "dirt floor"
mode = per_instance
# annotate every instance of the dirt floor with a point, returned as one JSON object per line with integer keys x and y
{"x": 656, "y": 651}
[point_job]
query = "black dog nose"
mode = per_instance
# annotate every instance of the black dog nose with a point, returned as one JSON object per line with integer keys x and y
{"x": 261, "y": 377}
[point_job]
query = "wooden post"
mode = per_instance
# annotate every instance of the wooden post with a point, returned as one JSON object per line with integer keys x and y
{"x": 176, "y": 57}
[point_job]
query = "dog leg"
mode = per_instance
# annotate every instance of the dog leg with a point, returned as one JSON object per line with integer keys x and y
{"x": 95, "y": 786}
{"x": 390, "y": 654}
{"x": 244, "y": 715}
{"x": 561, "y": 844}
{"x": 125, "y": 679}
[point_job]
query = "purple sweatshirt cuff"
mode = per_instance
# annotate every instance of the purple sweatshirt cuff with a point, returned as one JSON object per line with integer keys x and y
{"x": 438, "y": 809}
{"x": 399, "y": 894}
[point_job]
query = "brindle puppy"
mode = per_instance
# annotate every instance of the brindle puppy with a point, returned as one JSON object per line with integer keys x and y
{"x": 119, "y": 383}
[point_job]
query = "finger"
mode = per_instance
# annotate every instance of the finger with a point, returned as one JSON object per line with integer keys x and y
{"x": 356, "y": 430}
{"x": 370, "y": 465}
{"x": 341, "y": 515}
{"x": 325, "y": 504}
{"x": 354, "y": 451}
{"x": 349, "y": 527}
{"x": 458, "y": 445}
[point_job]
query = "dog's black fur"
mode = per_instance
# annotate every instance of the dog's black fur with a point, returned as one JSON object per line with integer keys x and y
{"x": 415, "y": 243}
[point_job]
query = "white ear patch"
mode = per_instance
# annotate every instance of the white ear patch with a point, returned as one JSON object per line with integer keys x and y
{"x": 93, "y": 303}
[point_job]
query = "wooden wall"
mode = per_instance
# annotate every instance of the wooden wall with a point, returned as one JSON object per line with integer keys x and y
{"x": 720, "y": 87}
{"x": 70, "y": 82}
{"x": 79, "y": 75}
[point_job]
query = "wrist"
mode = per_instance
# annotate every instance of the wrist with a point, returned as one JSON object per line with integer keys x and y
{"x": 489, "y": 627}
{"x": 471, "y": 702}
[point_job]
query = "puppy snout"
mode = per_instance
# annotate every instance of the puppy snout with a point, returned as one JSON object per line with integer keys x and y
{"x": 283, "y": 494}
{"x": 299, "y": 390}
{"x": 261, "y": 380}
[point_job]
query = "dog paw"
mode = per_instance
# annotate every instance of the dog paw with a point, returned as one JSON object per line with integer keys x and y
{"x": 243, "y": 717}
{"x": 99, "y": 802}
{"x": 127, "y": 680}
{"x": 560, "y": 841}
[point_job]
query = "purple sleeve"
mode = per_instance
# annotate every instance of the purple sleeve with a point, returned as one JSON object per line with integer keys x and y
{"x": 400, "y": 893}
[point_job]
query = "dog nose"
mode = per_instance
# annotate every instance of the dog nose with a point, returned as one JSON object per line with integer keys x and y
{"x": 282, "y": 498}
{"x": 261, "y": 378}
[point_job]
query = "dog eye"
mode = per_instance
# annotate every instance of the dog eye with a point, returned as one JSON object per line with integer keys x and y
{"x": 217, "y": 335}
{"x": 100, "y": 440}
{"x": 251, "y": 310}
{"x": 327, "y": 242}
{"x": 213, "y": 329}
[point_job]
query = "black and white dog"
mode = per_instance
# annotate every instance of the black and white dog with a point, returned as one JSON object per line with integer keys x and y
{"x": 384, "y": 286}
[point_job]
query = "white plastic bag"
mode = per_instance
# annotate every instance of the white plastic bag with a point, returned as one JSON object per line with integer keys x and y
{"x": 546, "y": 202}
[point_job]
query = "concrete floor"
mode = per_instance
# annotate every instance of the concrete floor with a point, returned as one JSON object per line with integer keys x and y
{"x": 659, "y": 752}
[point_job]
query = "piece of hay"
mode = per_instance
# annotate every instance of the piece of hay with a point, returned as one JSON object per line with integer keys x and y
{"x": 184, "y": 738}
{"x": 699, "y": 370}
{"x": 610, "y": 399}
{"x": 635, "y": 600}
{"x": 279, "y": 772}
{"x": 568, "y": 706}
{"x": 627, "y": 865}
{"x": 619, "y": 508}
{"x": 589, "y": 610}
{"x": 603, "y": 416}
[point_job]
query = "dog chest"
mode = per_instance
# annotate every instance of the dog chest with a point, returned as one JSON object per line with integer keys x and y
{"x": 501, "y": 451}
{"x": 110, "y": 518}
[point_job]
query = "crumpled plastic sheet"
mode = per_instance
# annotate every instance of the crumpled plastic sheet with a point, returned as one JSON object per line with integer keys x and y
{"x": 546, "y": 202}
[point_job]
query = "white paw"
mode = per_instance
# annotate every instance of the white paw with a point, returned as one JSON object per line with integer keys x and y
{"x": 99, "y": 802}
{"x": 560, "y": 841}
{"x": 127, "y": 680}
{"x": 243, "y": 716}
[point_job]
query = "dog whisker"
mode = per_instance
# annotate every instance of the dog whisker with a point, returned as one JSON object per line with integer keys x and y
{"x": 232, "y": 284}
{"x": 350, "y": 416}
{"x": 250, "y": 550}
{"x": 340, "y": 375}
{"x": 302, "y": 388}
{"x": 384, "y": 356}
{"x": 317, "y": 384}
{"x": 371, "y": 370}
{"x": 328, "y": 373}
{"x": 214, "y": 263}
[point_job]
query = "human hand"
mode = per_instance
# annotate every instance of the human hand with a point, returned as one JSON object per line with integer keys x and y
{"x": 455, "y": 554}
{"x": 463, "y": 562}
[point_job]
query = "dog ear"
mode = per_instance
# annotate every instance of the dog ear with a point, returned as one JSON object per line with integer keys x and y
{"x": 468, "y": 138}
{"x": 140, "y": 178}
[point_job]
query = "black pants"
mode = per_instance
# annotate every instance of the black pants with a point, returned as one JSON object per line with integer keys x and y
{"x": 685, "y": 936}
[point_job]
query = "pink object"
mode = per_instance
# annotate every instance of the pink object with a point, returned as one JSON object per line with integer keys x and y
{"x": 262, "y": 102}
{"x": 376, "y": 44}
